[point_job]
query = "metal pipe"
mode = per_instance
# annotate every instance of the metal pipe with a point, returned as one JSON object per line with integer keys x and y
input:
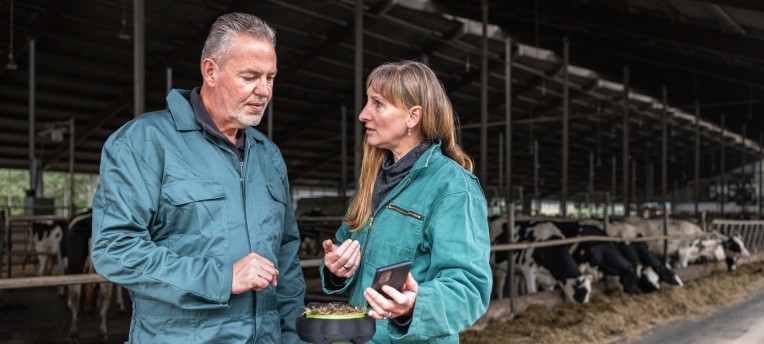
{"x": 536, "y": 176}
{"x": 71, "y": 166}
{"x": 741, "y": 190}
{"x": 605, "y": 213}
{"x": 501, "y": 161}
{"x": 169, "y": 79}
{"x": 343, "y": 152}
{"x": 723, "y": 193}
{"x": 613, "y": 186}
{"x": 591, "y": 174}
{"x": 139, "y": 58}
{"x": 484, "y": 98}
{"x": 565, "y": 112}
{"x": 696, "y": 187}
{"x": 634, "y": 184}
{"x": 32, "y": 115}
{"x": 270, "y": 119}
{"x": 426, "y": 60}
{"x": 625, "y": 156}
{"x": 761, "y": 171}
{"x": 664, "y": 171}
{"x": 510, "y": 201}
{"x": 359, "y": 85}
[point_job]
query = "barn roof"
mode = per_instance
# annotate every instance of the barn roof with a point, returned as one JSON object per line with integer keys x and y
{"x": 709, "y": 51}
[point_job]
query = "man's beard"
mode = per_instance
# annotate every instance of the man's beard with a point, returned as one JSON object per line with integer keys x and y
{"x": 246, "y": 119}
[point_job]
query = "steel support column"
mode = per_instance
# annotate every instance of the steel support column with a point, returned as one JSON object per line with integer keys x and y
{"x": 343, "y": 152}
{"x": 664, "y": 172}
{"x": 761, "y": 172}
{"x": 536, "y": 176}
{"x": 613, "y": 186}
{"x": 359, "y": 88}
{"x": 484, "y": 99}
{"x": 723, "y": 193}
{"x": 169, "y": 80}
{"x": 742, "y": 173}
{"x": 696, "y": 187}
{"x": 32, "y": 115}
{"x": 508, "y": 161}
{"x": 565, "y": 112}
{"x": 139, "y": 58}
{"x": 71, "y": 167}
{"x": 626, "y": 199}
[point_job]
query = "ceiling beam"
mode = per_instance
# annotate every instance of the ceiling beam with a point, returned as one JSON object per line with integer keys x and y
{"x": 753, "y": 5}
{"x": 725, "y": 21}
{"x": 625, "y": 6}
{"x": 671, "y": 11}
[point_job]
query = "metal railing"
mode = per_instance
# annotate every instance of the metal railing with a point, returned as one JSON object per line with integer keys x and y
{"x": 751, "y": 231}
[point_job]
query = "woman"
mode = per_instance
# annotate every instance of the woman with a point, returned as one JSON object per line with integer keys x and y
{"x": 416, "y": 201}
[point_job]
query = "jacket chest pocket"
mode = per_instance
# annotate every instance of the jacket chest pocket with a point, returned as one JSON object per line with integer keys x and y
{"x": 395, "y": 236}
{"x": 275, "y": 218}
{"x": 196, "y": 217}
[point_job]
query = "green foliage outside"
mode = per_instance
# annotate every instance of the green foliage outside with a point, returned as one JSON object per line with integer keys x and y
{"x": 56, "y": 185}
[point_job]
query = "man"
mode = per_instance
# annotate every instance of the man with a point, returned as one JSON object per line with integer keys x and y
{"x": 193, "y": 214}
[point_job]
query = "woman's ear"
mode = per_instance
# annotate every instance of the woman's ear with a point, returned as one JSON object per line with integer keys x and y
{"x": 415, "y": 115}
{"x": 210, "y": 72}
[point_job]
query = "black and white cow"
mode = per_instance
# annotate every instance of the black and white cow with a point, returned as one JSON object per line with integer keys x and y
{"x": 605, "y": 256}
{"x": 713, "y": 247}
{"x": 46, "y": 237}
{"x": 538, "y": 263}
{"x": 77, "y": 247}
{"x": 649, "y": 268}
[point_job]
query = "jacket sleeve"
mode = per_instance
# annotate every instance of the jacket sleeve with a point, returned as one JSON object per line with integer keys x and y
{"x": 124, "y": 209}
{"x": 290, "y": 290}
{"x": 458, "y": 285}
{"x": 335, "y": 288}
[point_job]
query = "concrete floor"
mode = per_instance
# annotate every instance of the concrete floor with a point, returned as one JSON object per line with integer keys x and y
{"x": 741, "y": 323}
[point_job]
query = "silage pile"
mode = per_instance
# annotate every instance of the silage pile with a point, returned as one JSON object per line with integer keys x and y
{"x": 616, "y": 314}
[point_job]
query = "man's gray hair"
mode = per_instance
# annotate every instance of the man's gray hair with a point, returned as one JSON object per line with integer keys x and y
{"x": 227, "y": 28}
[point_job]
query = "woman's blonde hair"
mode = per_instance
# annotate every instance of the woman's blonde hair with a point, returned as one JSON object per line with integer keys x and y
{"x": 405, "y": 84}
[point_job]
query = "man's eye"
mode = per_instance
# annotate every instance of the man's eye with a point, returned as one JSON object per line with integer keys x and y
{"x": 248, "y": 79}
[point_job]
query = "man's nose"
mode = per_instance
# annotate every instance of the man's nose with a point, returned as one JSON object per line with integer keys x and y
{"x": 262, "y": 88}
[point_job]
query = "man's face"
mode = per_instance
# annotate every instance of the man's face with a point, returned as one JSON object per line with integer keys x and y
{"x": 246, "y": 81}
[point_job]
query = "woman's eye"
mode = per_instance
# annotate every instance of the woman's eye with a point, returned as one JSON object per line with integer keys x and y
{"x": 378, "y": 103}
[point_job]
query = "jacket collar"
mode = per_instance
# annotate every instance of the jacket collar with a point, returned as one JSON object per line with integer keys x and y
{"x": 430, "y": 155}
{"x": 185, "y": 120}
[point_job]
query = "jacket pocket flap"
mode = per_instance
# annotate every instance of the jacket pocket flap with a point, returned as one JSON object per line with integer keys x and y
{"x": 277, "y": 191}
{"x": 187, "y": 191}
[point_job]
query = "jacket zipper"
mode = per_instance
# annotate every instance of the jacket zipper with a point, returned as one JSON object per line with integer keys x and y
{"x": 244, "y": 200}
{"x": 405, "y": 212}
{"x": 371, "y": 223}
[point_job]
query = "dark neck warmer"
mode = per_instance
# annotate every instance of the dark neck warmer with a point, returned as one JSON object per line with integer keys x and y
{"x": 393, "y": 172}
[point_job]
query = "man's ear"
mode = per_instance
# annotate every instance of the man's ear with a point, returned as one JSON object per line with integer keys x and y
{"x": 415, "y": 115}
{"x": 210, "y": 72}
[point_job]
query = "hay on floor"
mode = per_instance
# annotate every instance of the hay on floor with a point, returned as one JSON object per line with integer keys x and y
{"x": 616, "y": 314}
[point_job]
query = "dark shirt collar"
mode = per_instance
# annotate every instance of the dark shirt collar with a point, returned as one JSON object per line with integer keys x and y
{"x": 204, "y": 118}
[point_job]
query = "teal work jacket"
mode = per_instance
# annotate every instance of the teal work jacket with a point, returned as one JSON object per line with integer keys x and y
{"x": 436, "y": 217}
{"x": 174, "y": 210}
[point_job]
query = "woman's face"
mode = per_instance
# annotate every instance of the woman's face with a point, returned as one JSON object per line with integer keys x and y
{"x": 386, "y": 124}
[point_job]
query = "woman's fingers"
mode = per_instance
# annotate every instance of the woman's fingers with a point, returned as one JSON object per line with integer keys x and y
{"x": 378, "y": 302}
{"x": 352, "y": 262}
{"x": 411, "y": 285}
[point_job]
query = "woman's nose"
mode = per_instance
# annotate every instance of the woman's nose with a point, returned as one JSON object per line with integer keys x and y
{"x": 364, "y": 115}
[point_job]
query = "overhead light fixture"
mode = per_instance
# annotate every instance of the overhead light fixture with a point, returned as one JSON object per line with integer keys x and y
{"x": 123, "y": 31}
{"x": 11, "y": 63}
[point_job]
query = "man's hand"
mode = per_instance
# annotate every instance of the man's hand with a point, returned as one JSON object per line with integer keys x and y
{"x": 342, "y": 260}
{"x": 253, "y": 272}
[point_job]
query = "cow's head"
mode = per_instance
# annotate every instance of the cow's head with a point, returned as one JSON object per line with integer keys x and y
{"x": 577, "y": 289}
{"x": 669, "y": 277}
{"x": 649, "y": 280}
{"x": 734, "y": 247}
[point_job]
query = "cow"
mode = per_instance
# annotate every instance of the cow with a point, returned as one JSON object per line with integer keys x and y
{"x": 640, "y": 255}
{"x": 46, "y": 236}
{"x": 713, "y": 247}
{"x": 538, "y": 263}
{"x": 77, "y": 246}
{"x": 605, "y": 256}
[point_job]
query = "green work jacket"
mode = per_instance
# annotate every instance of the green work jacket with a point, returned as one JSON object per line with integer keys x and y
{"x": 435, "y": 218}
{"x": 174, "y": 210}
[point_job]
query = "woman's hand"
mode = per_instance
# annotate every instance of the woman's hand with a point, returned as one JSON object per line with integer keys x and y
{"x": 401, "y": 304}
{"x": 343, "y": 260}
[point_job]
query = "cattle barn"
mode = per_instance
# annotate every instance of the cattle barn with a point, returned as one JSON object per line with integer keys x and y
{"x": 626, "y": 118}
